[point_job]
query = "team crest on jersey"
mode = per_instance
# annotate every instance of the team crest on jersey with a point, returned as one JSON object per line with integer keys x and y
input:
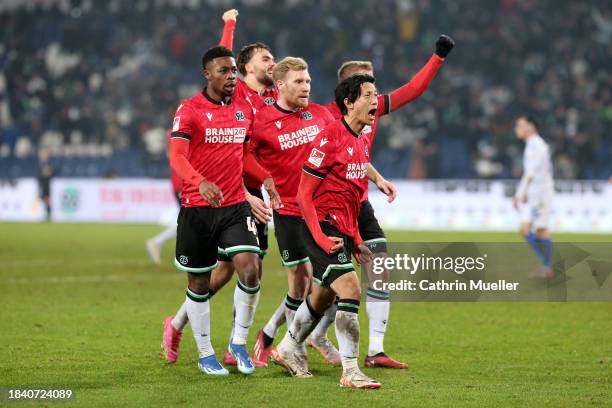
{"x": 176, "y": 124}
{"x": 285, "y": 254}
{"x": 209, "y": 115}
{"x": 269, "y": 100}
{"x": 278, "y": 124}
{"x": 366, "y": 129}
{"x": 239, "y": 116}
{"x": 307, "y": 115}
{"x": 183, "y": 260}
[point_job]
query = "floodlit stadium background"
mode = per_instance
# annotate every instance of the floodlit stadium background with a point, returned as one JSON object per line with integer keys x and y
{"x": 95, "y": 84}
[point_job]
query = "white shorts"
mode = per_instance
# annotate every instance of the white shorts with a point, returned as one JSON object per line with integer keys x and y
{"x": 536, "y": 214}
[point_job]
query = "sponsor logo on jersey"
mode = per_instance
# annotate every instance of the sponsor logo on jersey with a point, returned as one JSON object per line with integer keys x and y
{"x": 225, "y": 135}
{"x": 367, "y": 153}
{"x": 209, "y": 115}
{"x": 342, "y": 257}
{"x": 323, "y": 142}
{"x": 355, "y": 171}
{"x": 299, "y": 137}
{"x": 239, "y": 116}
{"x": 176, "y": 123}
{"x": 278, "y": 124}
{"x": 183, "y": 259}
{"x": 269, "y": 100}
{"x": 316, "y": 157}
{"x": 307, "y": 115}
{"x": 349, "y": 150}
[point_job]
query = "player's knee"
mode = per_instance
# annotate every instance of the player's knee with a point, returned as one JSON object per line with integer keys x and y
{"x": 249, "y": 273}
{"x": 350, "y": 289}
{"x": 199, "y": 283}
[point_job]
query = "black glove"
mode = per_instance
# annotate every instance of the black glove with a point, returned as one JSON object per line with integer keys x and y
{"x": 444, "y": 45}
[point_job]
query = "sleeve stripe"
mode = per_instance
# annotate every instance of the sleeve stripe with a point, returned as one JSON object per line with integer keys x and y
{"x": 314, "y": 173}
{"x": 180, "y": 135}
{"x": 387, "y": 104}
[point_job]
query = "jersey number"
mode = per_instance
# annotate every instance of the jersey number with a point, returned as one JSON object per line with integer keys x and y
{"x": 251, "y": 225}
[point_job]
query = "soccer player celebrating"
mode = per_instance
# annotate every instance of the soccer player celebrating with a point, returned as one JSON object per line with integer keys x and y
{"x": 208, "y": 150}
{"x": 281, "y": 139}
{"x": 535, "y": 193}
{"x": 377, "y": 302}
{"x": 329, "y": 196}
{"x": 255, "y": 62}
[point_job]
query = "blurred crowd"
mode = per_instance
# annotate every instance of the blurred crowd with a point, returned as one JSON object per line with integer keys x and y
{"x": 96, "y": 83}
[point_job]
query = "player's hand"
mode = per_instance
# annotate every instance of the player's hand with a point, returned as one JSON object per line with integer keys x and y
{"x": 211, "y": 193}
{"x": 230, "y": 15}
{"x": 387, "y": 188}
{"x": 362, "y": 254}
{"x": 334, "y": 244}
{"x": 275, "y": 200}
{"x": 259, "y": 209}
{"x": 444, "y": 45}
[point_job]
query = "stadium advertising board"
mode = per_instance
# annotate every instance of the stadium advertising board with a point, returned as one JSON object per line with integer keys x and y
{"x": 118, "y": 200}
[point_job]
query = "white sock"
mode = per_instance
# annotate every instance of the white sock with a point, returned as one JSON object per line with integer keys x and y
{"x": 377, "y": 307}
{"x": 304, "y": 321}
{"x": 199, "y": 315}
{"x": 291, "y": 306}
{"x": 326, "y": 321}
{"x": 180, "y": 318}
{"x": 166, "y": 235}
{"x": 276, "y": 321}
{"x": 245, "y": 303}
{"x": 347, "y": 332}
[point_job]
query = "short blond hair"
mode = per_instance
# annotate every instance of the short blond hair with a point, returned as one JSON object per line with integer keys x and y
{"x": 288, "y": 64}
{"x": 353, "y": 65}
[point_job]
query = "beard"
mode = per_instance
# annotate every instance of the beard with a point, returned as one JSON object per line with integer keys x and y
{"x": 265, "y": 79}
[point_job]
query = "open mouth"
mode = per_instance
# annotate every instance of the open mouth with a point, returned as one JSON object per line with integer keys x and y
{"x": 372, "y": 114}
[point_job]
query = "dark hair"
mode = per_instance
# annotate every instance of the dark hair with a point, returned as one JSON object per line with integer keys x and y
{"x": 530, "y": 119}
{"x": 350, "y": 89}
{"x": 246, "y": 53}
{"x": 215, "y": 52}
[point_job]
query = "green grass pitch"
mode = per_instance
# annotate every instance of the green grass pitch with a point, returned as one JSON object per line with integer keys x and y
{"x": 82, "y": 307}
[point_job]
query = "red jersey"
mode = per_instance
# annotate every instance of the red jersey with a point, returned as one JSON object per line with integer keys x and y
{"x": 175, "y": 179}
{"x": 216, "y": 132}
{"x": 339, "y": 157}
{"x": 368, "y": 132}
{"x": 281, "y": 141}
{"x": 258, "y": 101}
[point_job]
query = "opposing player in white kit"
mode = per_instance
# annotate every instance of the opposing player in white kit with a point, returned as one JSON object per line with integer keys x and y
{"x": 535, "y": 192}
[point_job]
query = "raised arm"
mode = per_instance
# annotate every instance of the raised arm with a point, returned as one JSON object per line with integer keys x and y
{"x": 227, "y": 38}
{"x": 420, "y": 82}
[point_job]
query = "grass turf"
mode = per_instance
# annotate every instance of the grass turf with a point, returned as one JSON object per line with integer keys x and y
{"x": 82, "y": 308}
